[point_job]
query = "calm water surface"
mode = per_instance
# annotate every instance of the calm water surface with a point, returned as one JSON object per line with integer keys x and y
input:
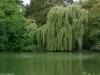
{"x": 49, "y": 63}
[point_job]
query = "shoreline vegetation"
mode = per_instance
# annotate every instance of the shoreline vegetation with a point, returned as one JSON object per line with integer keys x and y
{"x": 50, "y": 26}
{"x": 73, "y": 51}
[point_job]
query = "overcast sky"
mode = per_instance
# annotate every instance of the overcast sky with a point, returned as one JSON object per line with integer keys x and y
{"x": 28, "y": 1}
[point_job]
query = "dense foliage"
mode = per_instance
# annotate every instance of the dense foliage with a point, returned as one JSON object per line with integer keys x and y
{"x": 94, "y": 28}
{"x": 38, "y": 10}
{"x": 30, "y": 39}
{"x": 92, "y": 36}
{"x": 12, "y": 25}
{"x": 64, "y": 29}
{"x": 49, "y": 25}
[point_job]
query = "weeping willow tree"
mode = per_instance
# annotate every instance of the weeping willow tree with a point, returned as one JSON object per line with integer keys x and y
{"x": 64, "y": 29}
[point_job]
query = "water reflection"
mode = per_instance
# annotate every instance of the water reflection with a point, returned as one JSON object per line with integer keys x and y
{"x": 49, "y": 64}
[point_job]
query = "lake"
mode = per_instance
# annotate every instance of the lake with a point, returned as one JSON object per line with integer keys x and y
{"x": 49, "y": 63}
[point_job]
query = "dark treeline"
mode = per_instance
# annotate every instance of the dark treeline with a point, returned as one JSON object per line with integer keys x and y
{"x": 49, "y": 25}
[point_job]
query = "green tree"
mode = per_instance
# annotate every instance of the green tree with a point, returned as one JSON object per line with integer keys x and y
{"x": 3, "y": 37}
{"x": 64, "y": 29}
{"x": 91, "y": 38}
{"x": 88, "y": 4}
{"x": 38, "y": 10}
{"x": 30, "y": 43}
{"x": 12, "y": 23}
{"x": 94, "y": 28}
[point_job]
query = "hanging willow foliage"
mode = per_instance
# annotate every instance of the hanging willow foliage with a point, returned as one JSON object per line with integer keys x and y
{"x": 64, "y": 29}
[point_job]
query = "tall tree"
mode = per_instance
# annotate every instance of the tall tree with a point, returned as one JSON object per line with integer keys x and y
{"x": 91, "y": 40}
{"x": 38, "y": 9}
{"x": 94, "y": 28}
{"x": 88, "y": 4}
{"x": 64, "y": 29}
{"x": 12, "y": 24}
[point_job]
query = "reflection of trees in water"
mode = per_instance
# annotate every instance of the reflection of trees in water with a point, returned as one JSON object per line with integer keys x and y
{"x": 57, "y": 67}
{"x": 92, "y": 66}
{"x": 52, "y": 64}
{"x": 16, "y": 66}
